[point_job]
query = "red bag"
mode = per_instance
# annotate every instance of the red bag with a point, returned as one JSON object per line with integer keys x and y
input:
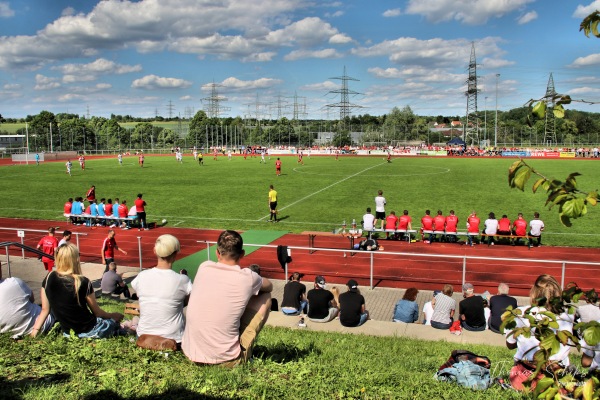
{"x": 455, "y": 328}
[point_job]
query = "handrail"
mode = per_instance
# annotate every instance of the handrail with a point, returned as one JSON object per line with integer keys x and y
{"x": 563, "y": 263}
{"x": 77, "y": 234}
{"x": 39, "y": 253}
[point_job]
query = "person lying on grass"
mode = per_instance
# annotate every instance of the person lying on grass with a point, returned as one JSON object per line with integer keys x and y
{"x": 71, "y": 297}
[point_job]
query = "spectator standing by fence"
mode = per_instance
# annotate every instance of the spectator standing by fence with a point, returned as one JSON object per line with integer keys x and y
{"x": 380, "y": 203}
{"x": 48, "y": 244}
{"x": 108, "y": 249}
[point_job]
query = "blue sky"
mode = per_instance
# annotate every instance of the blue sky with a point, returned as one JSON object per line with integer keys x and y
{"x": 137, "y": 57}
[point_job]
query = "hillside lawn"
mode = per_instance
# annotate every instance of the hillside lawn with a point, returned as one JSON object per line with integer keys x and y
{"x": 287, "y": 364}
{"x": 319, "y": 195}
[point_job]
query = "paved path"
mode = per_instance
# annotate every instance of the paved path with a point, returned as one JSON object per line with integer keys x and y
{"x": 380, "y": 303}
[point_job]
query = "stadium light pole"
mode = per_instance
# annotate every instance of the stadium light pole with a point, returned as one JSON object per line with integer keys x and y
{"x": 496, "y": 122}
{"x": 485, "y": 121}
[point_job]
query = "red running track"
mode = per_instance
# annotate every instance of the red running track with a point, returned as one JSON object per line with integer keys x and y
{"x": 389, "y": 270}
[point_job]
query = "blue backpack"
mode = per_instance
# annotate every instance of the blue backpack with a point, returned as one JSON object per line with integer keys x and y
{"x": 466, "y": 369}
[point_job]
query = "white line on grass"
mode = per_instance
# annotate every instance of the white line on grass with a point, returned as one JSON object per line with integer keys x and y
{"x": 325, "y": 188}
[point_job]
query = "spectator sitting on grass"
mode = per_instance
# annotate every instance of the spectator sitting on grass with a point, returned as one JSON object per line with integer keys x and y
{"x": 407, "y": 309}
{"x": 294, "y": 296}
{"x": 71, "y": 297}
{"x": 163, "y": 293}
{"x": 112, "y": 282}
{"x": 18, "y": 311}
{"x": 352, "y": 306}
{"x": 322, "y": 303}
{"x": 228, "y": 307}
{"x": 443, "y": 308}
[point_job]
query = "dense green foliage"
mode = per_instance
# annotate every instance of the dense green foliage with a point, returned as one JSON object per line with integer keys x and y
{"x": 288, "y": 364}
{"x": 316, "y": 196}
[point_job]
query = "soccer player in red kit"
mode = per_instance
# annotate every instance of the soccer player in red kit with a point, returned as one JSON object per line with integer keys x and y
{"x": 215, "y": 154}
{"x": 391, "y": 221}
{"x": 68, "y": 206}
{"x": 91, "y": 194}
{"x": 519, "y": 227}
{"x": 504, "y": 225}
{"x": 451, "y": 224}
{"x": 405, "y": 222}
{"x": 427, "y": 225}
{"x": 472, "y": 226}
{"x": 278, "y": 166}
{"x": 48, "y": 244}
{"x": 439, "y": 223}
{"x": 141, "y": 160}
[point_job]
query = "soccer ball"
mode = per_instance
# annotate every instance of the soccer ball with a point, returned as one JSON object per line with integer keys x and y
{"x": 164, "y": 221}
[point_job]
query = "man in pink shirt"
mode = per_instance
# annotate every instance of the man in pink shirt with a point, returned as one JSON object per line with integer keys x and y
{"x": 227, "y": 309}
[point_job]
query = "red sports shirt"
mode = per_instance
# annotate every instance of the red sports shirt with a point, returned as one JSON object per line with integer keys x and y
{"x": 439, "y": 222}
{"x": 451, "y": 223}
{"x": 139, "y": 205}
{"x": 404, "y": 221}
{"x": 68, "y": 206}
{"x": 473, "y": 224}
{"x": 391, "y": 221}
{"x": 520, "y": 227}
{"x": 504, "y": 225}
{"x": 49, "y": 244}
{"x": 427, "y": 222}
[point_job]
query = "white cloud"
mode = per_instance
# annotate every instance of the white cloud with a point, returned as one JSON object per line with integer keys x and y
{"x": 321, "y": 87}
{"x": 152, "y": 25}
{"x": 394, "y": 12}
{"x": 45, "y": 83}
{"x": 91, "y": 71}
{"x": 584, "y": 91}
{"x": 68, "y": 97}
{"x": 587, "y": 61}
{"x": 495, "y": 63}
{"x": 584, "y": 11}
{"x": 527, "y": 17}
{"x": 300, "y": 54}
{"x": 11, "y": 86}
{"x": 237, "y": 84}
{"x": 151, "y": 82}
{"x": 68, "y": 12}
{"x": 185, "y": 98}
{"x": 5, "y": 10}
{"x": 434, "y": 53}
{"x": 260, "y": 57}
{"x": 476, "y": 12}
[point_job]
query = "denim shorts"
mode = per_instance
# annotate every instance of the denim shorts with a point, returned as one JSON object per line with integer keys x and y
{"x": 104, "y": 328}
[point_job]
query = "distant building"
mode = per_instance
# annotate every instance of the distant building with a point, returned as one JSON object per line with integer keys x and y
{"x": 12, "y": 140}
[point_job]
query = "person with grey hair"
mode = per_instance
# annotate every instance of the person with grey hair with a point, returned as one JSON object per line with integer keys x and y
{"x": 163, "y": 293}
{"x": 471, "y": 310}
{"x": 498, "y": 305}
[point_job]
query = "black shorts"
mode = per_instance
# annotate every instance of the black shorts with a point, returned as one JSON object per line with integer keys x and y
{"x": 380, "y": 214}
{"x": 273, "y": 205}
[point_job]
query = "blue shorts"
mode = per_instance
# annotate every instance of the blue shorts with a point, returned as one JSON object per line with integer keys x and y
{"x": 104, "y": 328}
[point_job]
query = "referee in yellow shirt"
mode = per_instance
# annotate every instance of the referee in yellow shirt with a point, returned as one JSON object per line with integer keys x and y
{"x": 273, "y": 204}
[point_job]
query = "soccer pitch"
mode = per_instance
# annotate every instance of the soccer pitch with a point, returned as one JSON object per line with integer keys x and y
{"x": 318, "y": 195}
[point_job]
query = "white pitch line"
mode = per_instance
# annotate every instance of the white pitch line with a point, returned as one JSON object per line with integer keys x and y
{"x": 325, "y": 188}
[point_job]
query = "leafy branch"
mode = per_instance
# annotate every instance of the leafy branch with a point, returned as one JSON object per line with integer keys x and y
{"x": 544, "y": 327}
{"x": 590, "y": 24}
{"x": 572, "y": 203}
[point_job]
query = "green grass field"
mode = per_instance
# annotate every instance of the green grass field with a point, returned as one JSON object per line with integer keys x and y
{"x": 288, "y": 364}
{"x": 316, "y": 196}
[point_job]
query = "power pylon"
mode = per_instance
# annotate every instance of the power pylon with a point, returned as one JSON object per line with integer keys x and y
{"x": 213, "y": 106}
{"x": 550, "y": 125}
{"x": 170, "y": 108}
{"x": 344, "y": 105}
{"x": 280, "y": 106}
{"x": 471, "y": 130}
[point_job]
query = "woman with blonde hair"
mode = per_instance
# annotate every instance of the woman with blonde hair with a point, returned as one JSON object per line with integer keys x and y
{"x": 163, "y": 293}
{"x": 71, "y": 297}
{"x": 544, "y": 289}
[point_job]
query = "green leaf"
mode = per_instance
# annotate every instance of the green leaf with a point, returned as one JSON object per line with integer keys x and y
{"x": 591, "y": 335}
{"x": 559, "y": 111}
{"x": 539, "y": 109}
{"x": 592, "y": 198}
{"x": 537, "y": 184}
{"x": 588, "y": 390}
{"x": 542, "y": 385}
{"x": 521, "y": 177}
{"x": 550, "y": 342}
{"x": 594, "y": 27}
{"x": 566, "y": 221}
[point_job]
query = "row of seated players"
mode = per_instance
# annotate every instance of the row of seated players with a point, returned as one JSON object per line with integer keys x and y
{"x": 449, "y": 225}
{"x": 100, "y": 214}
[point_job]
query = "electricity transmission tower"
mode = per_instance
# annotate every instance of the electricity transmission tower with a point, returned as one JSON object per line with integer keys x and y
{"x": 170, "y": 108}
{"x": 344, "y": 105}
{"x": 213, "y": 107}
{"x": 550, "y": 126}
{"x": 299, "y": 112}
{"x": 280, "y": 106}
{"x": 471, "y": 129}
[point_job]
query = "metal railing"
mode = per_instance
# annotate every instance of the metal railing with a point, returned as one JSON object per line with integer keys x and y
{"x": 21, "y": 234}
{"x": 464, "y": 259}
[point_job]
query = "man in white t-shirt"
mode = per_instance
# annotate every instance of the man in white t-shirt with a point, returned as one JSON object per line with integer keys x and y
{"x": 228, "y": 307}
{"x": 18, "y": 311}
{"x": 368, "y": 221}
{"x": 536, "y": 226}
{"x": 428, "y": 310}
{"x": 380, "y": 208}
{"x": 491, "y": 228}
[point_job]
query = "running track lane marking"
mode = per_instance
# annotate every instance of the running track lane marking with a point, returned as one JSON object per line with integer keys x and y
{"x": 325, "y": 188}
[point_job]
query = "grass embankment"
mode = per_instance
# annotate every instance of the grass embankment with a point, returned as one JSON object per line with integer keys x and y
{"x": 316, "y": 196}
{"x": 288, "y": 364}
